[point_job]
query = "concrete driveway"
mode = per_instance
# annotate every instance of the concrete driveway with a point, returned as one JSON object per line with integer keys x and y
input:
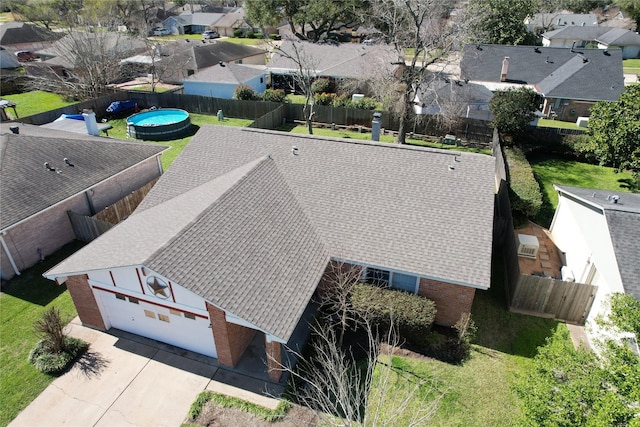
{"x": 122, "y": 382}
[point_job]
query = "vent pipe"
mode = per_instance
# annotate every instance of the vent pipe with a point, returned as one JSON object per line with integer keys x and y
{"x": 15, "y": 129}
{"x": 375, "y": 126}
{"x": 90, "y": 122}
{"x": 505, "y": 69}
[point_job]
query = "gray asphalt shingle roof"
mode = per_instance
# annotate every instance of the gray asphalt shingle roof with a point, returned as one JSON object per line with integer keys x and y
{"x": 241, "y": 221}
{"x": 28, "y": 187}
{"x": 228, "y": 73}
{"x": 623, "y": 220}
{"x": 584, "y": 74}
{"x": 15, "y": 32}
{"x": 605, "y": 35}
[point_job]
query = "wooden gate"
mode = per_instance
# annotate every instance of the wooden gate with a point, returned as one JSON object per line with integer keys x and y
{"x": 87, "y": 228}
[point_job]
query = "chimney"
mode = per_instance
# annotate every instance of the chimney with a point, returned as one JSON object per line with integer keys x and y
{"x": 505, "y": 69}
{"x": 375, "y": 126}
{"x": 90, "y": 122}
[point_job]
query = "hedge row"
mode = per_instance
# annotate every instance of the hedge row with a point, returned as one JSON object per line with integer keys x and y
{"x": 526, "y": 197}
{"x": 412, "y": 314}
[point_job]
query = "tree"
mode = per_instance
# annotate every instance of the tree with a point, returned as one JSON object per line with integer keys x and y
{"x": 614, "y": 128}
{"x": 50, "y": 328}
{"x": 422, "y": 35}
{"x": 499, "y": 21}
{"x": 513, "y": 110}
{"x": 321, "y": 16}
{"x": 632, "y": 8}
{"x": 48, "y": 12}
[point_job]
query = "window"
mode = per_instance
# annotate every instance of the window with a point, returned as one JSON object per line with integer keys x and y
{"x": 163, "y": 317}
{"x": 150, "y": 314}
{"x": 120, "y": 296}
{"x": 404, "y": 282}
{"x": 377, "y": 277}
{"x": 261, "y": 80}
{"x": 175, "y": 312}
{"x": 190, "y": 316}
{"x": 134, "y": 300}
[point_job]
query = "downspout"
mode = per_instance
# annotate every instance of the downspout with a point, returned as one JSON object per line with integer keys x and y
{"x": 6, "y": 250}
{"x": 159, "y": 164}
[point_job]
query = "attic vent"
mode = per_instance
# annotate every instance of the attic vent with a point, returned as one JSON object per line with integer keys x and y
{"x": 294, "y": 151}
{"x": 527, "y": 246}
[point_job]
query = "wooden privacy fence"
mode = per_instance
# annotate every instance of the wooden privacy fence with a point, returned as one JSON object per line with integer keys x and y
{"x": 544, "y": 296}
{"x": 271, "y": 120}
{"x": 88, "y": 228}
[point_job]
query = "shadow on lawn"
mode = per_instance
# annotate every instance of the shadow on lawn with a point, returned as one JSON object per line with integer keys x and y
{"x": 501, "y": 330}
{"x": 31, "y": 286}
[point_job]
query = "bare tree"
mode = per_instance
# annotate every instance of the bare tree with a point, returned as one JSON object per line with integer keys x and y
{"x": 422, "y": 34}
{"x": 50, "y": 327}
{"x": 344, "y": 391}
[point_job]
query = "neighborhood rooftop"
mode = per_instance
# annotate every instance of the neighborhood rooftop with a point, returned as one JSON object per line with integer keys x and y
{"x": 622, "y": 213}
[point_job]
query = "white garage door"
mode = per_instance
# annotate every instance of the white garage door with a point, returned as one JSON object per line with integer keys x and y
{"x": 173, "y": 327}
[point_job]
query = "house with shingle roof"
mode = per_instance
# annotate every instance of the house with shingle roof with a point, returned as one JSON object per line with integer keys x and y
{"x": 230, "y": 245}
{"x": 46, "y": 172}
{"x": 355, "y": 62}
{"x": 558, "y": 20}
{"x": 569, "y": 80}
{"x": 17, "y": 35}
{"x": 221, "y": 80}
{"x": 191, "y": 23}
{"x": 599, "y": 233}
{"x": 605, "y": 38}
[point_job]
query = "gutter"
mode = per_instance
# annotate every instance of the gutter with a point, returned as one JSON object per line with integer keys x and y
{"x": 6, "y": 249}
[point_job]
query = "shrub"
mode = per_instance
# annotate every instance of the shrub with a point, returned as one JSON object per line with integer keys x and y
{"x": 526, "y": 197}
{"x": 245, "y": 93}
{"x": 238, "y": 33}
{"x": 324, "y": 98}
{"x": 341, "y": 101}
{"x": 51, "y": 362}
{"x": 50, "y": 328}
{"x": 364, "y": 104}
{"x": 322, "y": 86}
{"x": 274, "y": 36}
{"x": 412, "y": 314}
{"x": 274, "y": 95}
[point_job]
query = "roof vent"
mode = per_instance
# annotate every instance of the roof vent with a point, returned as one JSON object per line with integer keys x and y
{"x": 294, "y": 150}
{"x": 451, "y": 168}
{"x": 48, "y": 166}
{"x": 614, "y": 199}
{"x": 15, "y": 129}
{"x": 537, "y": 50}
{"x": 68, "y": 162}
{"x": 528, "y": 246}
{"x": 606, "y": 52}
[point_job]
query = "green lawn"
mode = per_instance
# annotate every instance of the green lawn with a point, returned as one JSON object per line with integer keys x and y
{"x": 23, "y": 300}
{"x": 147, "y": 88}
{"x": 546, "y": 123}
{"x": 631, "y": 66}
{"x": 120, "y": 131}
{"x": 30, "y": 103}
{"x": 549, "y": 170}
{"x": 249, "y": 42}
{"x": 383, "y": 138}
{"x": 478, "y": 392}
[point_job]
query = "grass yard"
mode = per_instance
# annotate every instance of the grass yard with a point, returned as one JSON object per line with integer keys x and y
{"x": 631, "y": 66}
{"x": 34, "y": 102}
{"x": 478, "y": 392}
{"x": 147, "y": 88}
{"x": 120, "y": 131}
{"x": 245, "y": 41}
{"x": 549, "y": 170}
{"x": 23, "y": 300}
{"x": 547, "y": 123}
{"x": 383, "y": 138}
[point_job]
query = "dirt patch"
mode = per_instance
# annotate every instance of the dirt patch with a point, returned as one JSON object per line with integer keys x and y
{"x": 213, "y": 415}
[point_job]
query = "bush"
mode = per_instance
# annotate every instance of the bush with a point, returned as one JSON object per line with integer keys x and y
{"x": 322, "y": 86}
{"x": 274, "y": 95}
{"x": 526, "y": 197}
{"x": 50, "y": 362}
{"x": 324, "y": 98}
{"x": 245, "y": 93}
{"x": 238, "y": 33}
{"x": 274, "y": 36}
{"x": 341, "y": 101}
{"x": 364, "y": 104}
{"x": 412, "y": 314}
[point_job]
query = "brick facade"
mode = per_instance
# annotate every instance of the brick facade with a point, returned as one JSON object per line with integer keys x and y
{"x": 451, "y": 300}
{"x": 274, "y": 360}
{"x": 85, "y": 301}
{"x": 231, "y": 339}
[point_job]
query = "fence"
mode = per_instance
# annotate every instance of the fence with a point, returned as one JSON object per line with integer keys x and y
{"x": 271, "y": 120}
{"x": 88, "y": 228}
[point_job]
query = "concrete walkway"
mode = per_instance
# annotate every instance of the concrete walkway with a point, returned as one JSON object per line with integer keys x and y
{"x": 126, "y": 381}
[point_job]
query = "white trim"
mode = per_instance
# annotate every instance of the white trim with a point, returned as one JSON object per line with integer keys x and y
{"x": 6, "y": 249}
{"x": 78, "y": 193}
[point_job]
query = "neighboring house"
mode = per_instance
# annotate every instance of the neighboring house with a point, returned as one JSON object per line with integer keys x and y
{"x": 557, "y": 20}
{"x": 340, "y": 62}
{"x": 183, "y": 58}
{"x": 603, "y": 37}
{"x": 191, "y": 23}
{"x": 20, "y": 36}
{"x": 570, "y": 81}
{"x": 453, "y": 97}
{"x": 230, "y": 22}
{"x": 221, "y": 81}
{"x": 35, "y": 197}
{"x": 8, "y": 59}
{"x": 231, "y": 243}
{"x": 599, "y": 233}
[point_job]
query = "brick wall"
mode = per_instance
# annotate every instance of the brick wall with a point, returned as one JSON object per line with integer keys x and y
{"x": 231, "y": 340}
{"x": 274, "y": 360}
{"x": 336, "y": 272}
{"x": 451, "y": 300}
{"x": 85, "y": 301}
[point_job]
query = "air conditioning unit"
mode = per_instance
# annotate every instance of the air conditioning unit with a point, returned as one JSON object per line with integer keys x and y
{"x": 528, "y": 246}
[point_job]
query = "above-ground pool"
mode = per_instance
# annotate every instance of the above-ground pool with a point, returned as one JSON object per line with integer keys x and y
{"x": 159, "y": 125}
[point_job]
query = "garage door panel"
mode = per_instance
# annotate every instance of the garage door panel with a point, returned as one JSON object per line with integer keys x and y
{"x": 152, "y": 321}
